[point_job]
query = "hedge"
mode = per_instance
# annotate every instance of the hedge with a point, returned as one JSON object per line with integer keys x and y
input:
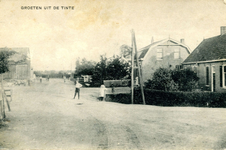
{"x": 117, "y": 83}
{"x": 124, "y": 98}
{"x": 162, "y": 98}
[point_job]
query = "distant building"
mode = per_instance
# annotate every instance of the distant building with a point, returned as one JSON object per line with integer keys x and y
{"x": 19, "y": 64}
{"x": 209, "y": 61}
{"x": 167, "y": 53}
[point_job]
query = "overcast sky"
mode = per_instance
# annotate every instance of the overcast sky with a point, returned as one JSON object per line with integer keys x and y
{"x": 56, "y": 37}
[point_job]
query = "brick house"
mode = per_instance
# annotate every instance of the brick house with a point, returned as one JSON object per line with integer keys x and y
{"x": 19, "y": 64}
{"x": 165, "y": 53}
{"x": 209, "y": 61}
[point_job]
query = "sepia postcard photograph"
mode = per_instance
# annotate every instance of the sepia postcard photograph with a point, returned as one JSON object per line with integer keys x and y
{"x": 112, "y": 74}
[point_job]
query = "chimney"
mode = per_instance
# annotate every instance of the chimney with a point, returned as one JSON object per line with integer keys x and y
{"x": 223, "y": 30}
{"x": 182, "y": 41}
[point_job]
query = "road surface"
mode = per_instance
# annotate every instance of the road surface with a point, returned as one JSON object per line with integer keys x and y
{"x": 45, "y": 116}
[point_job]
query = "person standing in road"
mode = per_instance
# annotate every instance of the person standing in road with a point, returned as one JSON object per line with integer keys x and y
{"x": 40, "y": 79}
{"x": 102, "y": 92}
{"x": 77, "y": 89}
{"x": 64, "y": 79}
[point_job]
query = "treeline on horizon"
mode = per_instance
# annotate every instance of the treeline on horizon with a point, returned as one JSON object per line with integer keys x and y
{"x": 53, "y": 73}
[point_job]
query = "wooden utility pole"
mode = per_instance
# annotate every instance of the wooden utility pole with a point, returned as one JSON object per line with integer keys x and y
{"x": 132, "y": 71}
{"x": 3, "y": 103}
{"x": 138, "y": 65}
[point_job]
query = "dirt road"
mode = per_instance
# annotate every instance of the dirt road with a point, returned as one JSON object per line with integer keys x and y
{"x": 44, "y": 116}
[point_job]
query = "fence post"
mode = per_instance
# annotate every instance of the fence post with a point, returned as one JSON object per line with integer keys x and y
{"x": 3, "y": 106}
{"x": 3, "y": 103}
{"x": 1, "y": 112}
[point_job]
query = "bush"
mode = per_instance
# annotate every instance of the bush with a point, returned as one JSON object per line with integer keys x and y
{"x": 124, "y": 98}
{"x": 162, "y": 80}
{"x": 173, "y": 80}
{"x": 186, "y": 79}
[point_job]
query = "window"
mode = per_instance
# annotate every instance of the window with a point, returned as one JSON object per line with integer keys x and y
{"x": 221, "y": 79}
{"x": 207, "y": 75}
{"x": 176, "y": 53}
{"x": 159, "y": 54}
{"x": 179, "y": 67}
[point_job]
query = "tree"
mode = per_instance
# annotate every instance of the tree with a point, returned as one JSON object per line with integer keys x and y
{"x": 4, "y": 55}
{"x": 162, "y": 80}
{"x": 117, "y": 69}
{"x": 173, "y": 80}
{"x": 126, "y": 51}
{"x": 85, "y": 67}
{"x": 112, "y": 69}
{"x": 100, "y": 73}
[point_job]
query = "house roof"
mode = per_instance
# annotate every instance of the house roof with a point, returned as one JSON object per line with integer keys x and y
{"x": 22, "y": 50}
{"x": 144, "y": 50}
{"x": 21, "y": 53}
{"x": 17, "y": 57}
{"x": 213, "y": 48}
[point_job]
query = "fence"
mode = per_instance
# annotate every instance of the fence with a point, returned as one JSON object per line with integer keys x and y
{"x": 116, "y": 83}
{"x": 4, "y": 95}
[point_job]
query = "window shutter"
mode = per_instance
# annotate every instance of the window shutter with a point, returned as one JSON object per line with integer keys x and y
{"x": 224, "y": 74}
{"x": 221, "y": 76}
{"x": 207, "y": 75}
